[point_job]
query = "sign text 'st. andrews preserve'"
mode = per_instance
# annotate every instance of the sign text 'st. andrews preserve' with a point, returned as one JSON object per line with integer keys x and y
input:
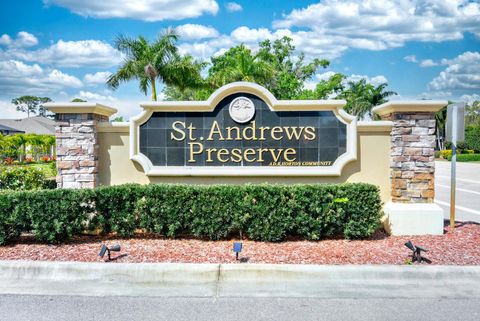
{"x": 243, "y": 130}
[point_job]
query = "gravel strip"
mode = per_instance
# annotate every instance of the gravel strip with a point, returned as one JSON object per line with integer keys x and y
{"x": 460, "y": 247}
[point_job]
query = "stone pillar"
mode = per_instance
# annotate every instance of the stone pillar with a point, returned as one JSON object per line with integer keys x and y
{"x": 412, "y": 157}
{"x": 77, "y": 142}
{"x": 412, "y": 167}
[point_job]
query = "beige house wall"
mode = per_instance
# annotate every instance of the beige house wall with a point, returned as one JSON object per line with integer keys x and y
{"x": 372, "y": 164}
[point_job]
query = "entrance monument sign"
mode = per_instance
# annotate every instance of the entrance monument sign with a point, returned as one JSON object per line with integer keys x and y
{"x": 243, "y": 134}
{"x": 243, "y": 130}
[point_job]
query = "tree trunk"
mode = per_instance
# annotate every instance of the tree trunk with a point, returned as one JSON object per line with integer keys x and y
{"x": 154, "y": 90}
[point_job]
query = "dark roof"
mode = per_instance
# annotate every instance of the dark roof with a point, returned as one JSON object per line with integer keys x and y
{"x": 4, "y": 128}
{"x": 32, "y": 125}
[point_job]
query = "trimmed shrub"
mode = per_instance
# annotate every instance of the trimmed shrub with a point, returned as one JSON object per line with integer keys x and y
{"x": 259, "y": 212}
{"x": 162, "y": 208}
{"x": 115, "y": 209}
{"x": 446, "y": 153}
{"x": 24, "y": 178}
{"x": 21, "y": 178}
{"x": 55, "y": 215}
{"x": 467, "y": 158}
{"x": 12, "y": 220}
{"x": 472, "y": 137}
{"x": 50, "y": 183}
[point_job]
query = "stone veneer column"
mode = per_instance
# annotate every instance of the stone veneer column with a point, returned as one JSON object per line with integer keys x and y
{"x": 412, "y": 157}
{"x": 77, "y": 142}
{"x": 412, "y": 168}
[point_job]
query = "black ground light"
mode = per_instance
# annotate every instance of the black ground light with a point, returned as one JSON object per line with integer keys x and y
{"x": 237, "y": 248}
{"x": 115, "y": 248}
{"x": 417, "y": 253}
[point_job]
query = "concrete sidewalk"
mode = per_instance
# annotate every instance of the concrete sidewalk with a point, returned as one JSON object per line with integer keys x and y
{"x": 238, "y": 280}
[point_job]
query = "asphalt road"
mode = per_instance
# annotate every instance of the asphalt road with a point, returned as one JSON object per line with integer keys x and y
{"x": 65, "y": 308}
{"x": 467, "y": 192}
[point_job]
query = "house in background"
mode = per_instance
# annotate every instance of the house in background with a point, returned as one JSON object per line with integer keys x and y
{"x": 33, "y": 125}
{"x": 5, "y": 130}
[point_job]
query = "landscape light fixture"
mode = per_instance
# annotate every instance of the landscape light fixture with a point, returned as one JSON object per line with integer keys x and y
{"x": 417, "y": 253}
{"x": 115, "y": 248}
{"x": 237, "y": 248}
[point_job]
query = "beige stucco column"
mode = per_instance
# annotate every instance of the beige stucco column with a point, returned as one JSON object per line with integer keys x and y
{"x": 77, "y": 142}
{"x": 412, "y": 167}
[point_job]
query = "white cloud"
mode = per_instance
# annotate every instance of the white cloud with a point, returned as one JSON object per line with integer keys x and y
{"x": 17, "y": 77}
{"x": 462, "y": 73}
{"x": 194, "y": 32}
{"x": 127, "y": 107}
{"x": 312, "y": 45}
{"x": 379, "y": 25}
{"x": 9, "y": 110}
{"x": 233, "y": 7}
{"x": 147, "y": 10}
{"x": 218, "y": 45}
{"x": 198, "y": 50}
{"x": 329, "y": 28}
{"x": 377, "y": 80}
{"x": 57, "y": 77}
{"x": 62, "y": 53}
{"x": 311, "y": 84}
{"x": 469, "y": 99}
{"x": 245, "y": 34}
{"x": 441, "y": 95}
{"x": 421, "y": 63}
{"x": 5, "y": 40}
{"x": 23, "y": 40}
{"x": 97, "y": 78}
{"x": 428, "y": 63}
{"x": 72, "y": 54}
{"x": 410, "y": 58}
{"x": 206, "y": 49}
{"x": 325, "y": 76}
{"x": 96, "y": 97}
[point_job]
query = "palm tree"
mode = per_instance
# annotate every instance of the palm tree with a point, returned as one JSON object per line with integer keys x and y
{"x": 184, "y": 72}
{"x": 238, "y": 64}
{"x": 356, "y": 96}
{"x": 362, "y": 97}
{"x": 145, "y": 61}
{"x": 21, "y": 141}
{"x": 378, "y": 95}
{"x": 188, "y": 80}
{"x": 35, "y": 142}
{"x": 48, "y": 144}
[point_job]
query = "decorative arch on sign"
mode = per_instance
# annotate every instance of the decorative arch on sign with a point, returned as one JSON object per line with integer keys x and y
{"x": 243, "y": 130}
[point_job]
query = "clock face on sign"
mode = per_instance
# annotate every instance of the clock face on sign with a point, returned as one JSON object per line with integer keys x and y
{"x": 242, "y": 110}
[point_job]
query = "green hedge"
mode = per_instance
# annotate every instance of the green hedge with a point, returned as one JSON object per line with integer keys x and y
{"x": 259, "y": 212}
{"x": 24, "y": 178}
{"x": 472, "y": 137}
{"x": 467, "y": 158}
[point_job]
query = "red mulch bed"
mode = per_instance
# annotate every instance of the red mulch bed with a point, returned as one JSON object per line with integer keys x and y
{"x": 460, "y": 247}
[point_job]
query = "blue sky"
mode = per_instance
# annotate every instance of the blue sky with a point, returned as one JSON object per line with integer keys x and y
{"x": 63, "y": 48}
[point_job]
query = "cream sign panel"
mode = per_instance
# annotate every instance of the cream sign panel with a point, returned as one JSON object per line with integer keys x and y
{"x": 243, "y": 130}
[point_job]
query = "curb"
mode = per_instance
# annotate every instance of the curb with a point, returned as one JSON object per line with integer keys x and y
{"x": 238, "y": 280}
